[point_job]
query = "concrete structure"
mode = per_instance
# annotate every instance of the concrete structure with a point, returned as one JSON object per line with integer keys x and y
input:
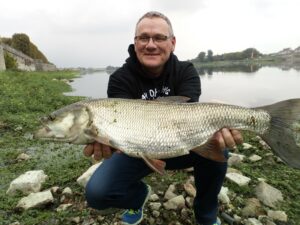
{"x": 2, "y": 61}
{"x": 24, "y": 62}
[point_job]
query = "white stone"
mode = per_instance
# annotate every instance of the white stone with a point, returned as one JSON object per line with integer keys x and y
{"x": 278, "y": 215}
{"x": 67, "y": 191}
{"x": 84, "y": 178}
{"x": 240, "y": 156}
{"x": 156, "y": 213}
{"x": 63, "y": 207}
{"x": 189, "y": 189}
{"x": 155, "y": 205}
{"x": 177, "y": 202}
{"x": 29, "y": 182}
{"x": 238, "y": 178}
{"x": 153, "y": 198}
{"x": 247, "y": 146}
{"x": 255, "y": 158}
{"x": 268, "y": 194}
{"x": 23, "y": 157}
{"x": 35, "y": 200}
{"x": 253, "y": 221}
{"x": 223, "y": 195}
{"x": 170, "y": 192}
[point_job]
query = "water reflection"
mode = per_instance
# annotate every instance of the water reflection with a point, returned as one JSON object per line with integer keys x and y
{"x": 263, "y": 86}
{"x": 251, "y": 68}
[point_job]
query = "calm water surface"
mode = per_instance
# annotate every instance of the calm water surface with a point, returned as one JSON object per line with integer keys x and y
{"x": 265, "y": 86}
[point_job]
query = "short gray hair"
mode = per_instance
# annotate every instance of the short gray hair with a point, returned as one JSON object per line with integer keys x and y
{"x": 155, "y": 14}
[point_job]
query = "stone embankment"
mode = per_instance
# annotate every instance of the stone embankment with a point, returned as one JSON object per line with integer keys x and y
{"x": 23, "y": 61}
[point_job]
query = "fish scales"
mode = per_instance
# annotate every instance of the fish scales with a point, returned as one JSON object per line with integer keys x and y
{"x": 163, "y": 130}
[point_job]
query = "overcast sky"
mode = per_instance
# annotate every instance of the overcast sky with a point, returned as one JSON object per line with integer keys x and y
{"x": 96, "y": 33}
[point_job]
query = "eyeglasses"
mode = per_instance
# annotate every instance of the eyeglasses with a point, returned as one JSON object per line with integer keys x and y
{"x": 157, "y": 39}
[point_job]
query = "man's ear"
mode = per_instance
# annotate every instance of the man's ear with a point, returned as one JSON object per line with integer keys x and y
{"x": 173, "y": 43}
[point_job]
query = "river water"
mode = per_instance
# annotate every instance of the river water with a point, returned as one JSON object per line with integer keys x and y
{"x": 264, "y": 86}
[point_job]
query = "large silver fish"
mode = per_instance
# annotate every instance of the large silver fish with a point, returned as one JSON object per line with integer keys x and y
{"x": 163, "y": 129}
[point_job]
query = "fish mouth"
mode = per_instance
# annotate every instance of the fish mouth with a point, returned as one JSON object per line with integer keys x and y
{"x": 44, "y": 133}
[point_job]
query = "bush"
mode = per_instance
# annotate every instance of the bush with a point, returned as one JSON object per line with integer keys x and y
{"x": 10, "y": 62}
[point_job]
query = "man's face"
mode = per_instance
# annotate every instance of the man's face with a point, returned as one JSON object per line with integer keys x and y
{"x": 153, "y": 54}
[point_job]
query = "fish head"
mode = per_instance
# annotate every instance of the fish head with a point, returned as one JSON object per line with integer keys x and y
{"x": 66, "y": 125}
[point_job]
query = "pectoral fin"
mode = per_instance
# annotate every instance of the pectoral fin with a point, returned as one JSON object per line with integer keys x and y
{"x": 93, "y": 133}
{"x": 155, "y": 164}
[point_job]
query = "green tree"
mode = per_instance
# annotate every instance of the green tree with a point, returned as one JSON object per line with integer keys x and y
{"x": 21, "y": 42}
{"x": 209, "y": 55}
{"x": 201, "y": 56}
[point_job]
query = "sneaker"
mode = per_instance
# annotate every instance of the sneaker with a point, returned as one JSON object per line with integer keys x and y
{"x": 132, "y": 216}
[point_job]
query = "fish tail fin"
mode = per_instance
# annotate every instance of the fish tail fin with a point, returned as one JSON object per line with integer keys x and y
{"x": 284, "y": 132}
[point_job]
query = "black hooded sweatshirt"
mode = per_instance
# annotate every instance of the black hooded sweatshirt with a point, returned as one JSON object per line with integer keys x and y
{"x": 179, "y": 78}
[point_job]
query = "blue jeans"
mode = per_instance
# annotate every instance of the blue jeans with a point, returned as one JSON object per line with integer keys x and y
{"x": 117, "y": 183}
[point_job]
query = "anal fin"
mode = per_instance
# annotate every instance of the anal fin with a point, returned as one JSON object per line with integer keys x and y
{"x": 210, "y": 153}
{"x": 155, "y": 164}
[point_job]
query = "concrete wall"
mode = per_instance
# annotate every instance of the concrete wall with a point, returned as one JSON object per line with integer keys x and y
{"x": 2, "y": 62}
{"x": 24, "y": 62}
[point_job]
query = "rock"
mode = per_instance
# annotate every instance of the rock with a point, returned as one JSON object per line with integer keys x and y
{"x": 35, "y": 200}
{"x": 253, "y": 221}
{"x": 238, "y": 179}
{"x": 84, "y": 178}
{"x": 189, "y": 202}
{"x": 156, "y": 213}
{"x": 268, "y": 194}
{"x": 170, "y": 192}
{"x": 223, "y": 196}
{"x": 153, "y": 198}
{"x": 177, "y": 202}
{"x": 27, "y": 183}
{"x": 277, "y": 215}
{"x": 234, "y": 160}
{"x": 252, "y": 208}
{"x": 255, "y": 158}
{"x": 75, "y": 220}
{"x": 155, "y": 205}
{"x": 63, "y": 207}
{"x": 67, "y": 191}
{"x": 189, "y": 189}
{"x": 23, "y": 157}
{"x": 247, "y": 146}
{"x": 240, "y": 156}
{"x": 54, "y": 189}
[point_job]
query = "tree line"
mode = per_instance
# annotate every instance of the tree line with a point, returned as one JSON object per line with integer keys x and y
{"x": 249, "y": 53}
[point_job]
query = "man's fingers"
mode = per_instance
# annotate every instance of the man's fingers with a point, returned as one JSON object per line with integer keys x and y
{"x": 106, "y": 151}
{"x": 97, "y": 151}
{"x": 88, "y": 150}
{"x": 228, "y": 138}
{"x": 218, "y": 140}
{"x": 237, "y": 136}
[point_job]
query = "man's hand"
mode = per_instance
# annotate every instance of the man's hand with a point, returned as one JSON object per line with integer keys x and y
{"x": 226, "y": 138}
{"x": 98, "y": 150}
{"x": 214, "y": 147}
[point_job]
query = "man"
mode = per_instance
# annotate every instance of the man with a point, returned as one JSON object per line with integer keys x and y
{"x": 152, "y": 71}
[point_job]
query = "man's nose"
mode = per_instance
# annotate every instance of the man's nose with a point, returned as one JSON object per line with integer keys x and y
{"x": 151, "y": 44}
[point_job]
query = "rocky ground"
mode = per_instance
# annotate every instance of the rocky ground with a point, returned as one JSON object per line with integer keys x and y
{"x": 243, "y": 199}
